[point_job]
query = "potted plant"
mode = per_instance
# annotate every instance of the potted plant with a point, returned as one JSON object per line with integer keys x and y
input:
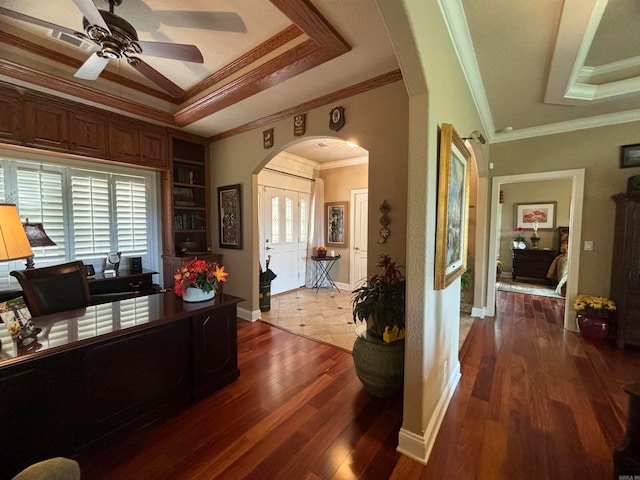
{"x": 378, "y": 351}
{"x": 593, "y": 316}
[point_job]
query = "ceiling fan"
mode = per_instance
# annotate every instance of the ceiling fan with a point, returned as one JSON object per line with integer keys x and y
{"x": 116, "y": 38}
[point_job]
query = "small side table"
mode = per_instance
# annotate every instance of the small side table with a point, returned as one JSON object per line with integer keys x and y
{"x": 323, "y": 269}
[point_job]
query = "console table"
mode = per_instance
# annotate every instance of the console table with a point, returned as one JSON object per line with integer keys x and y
{"x": 531, "y": 262}
{"x": 323, "y": 269}
{"x": 98, "y": 371}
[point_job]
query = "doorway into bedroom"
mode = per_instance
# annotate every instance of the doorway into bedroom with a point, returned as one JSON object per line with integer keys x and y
{"x": 532, "y": 217}
{"x": 560, "y": 193}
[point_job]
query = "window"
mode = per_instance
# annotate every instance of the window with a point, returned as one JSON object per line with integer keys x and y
{"x": 87, "y": 213}
{"x": 288, "y": 220}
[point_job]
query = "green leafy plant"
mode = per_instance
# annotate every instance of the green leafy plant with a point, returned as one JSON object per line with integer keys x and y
{"x": 380, "y": 301}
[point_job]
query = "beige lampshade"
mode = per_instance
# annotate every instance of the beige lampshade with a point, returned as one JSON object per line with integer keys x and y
{"x": 13, "y": 241}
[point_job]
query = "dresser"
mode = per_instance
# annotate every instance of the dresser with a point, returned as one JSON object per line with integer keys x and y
{"x": 625, "y": 270}
{"x": 531, "y": 263}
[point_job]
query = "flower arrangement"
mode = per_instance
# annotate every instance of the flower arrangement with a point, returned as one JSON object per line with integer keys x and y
{"x": 519, "y": 235}
{"x": 593, "y": 306}
{"x": 321, "y": 251}
{"x": 198, "y": 274}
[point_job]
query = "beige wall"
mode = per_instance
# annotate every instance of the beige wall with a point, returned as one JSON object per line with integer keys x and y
{"x": 338, "y": 183}
{"x": 438, "y": 94}
{"x": 376, "y": 120}
{"x": 558, "y": 191}
{"x": 597, "y": 150}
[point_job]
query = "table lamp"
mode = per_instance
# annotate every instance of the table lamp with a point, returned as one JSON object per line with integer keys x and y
{"x": 13, "y": 240}
{"x": 37, "y": 238}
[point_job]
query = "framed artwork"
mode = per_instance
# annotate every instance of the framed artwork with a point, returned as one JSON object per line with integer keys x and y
{"x": 453, "y": 208}
{"x": 528, "y": 214}
{"x": 630, "y": 156}
{"x": 229, "y": 216}
{"x": 337, "y": 223}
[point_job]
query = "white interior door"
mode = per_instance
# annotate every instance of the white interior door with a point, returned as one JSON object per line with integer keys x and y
{"x": 280, "y": 237}
{"x": 359, "y": 215}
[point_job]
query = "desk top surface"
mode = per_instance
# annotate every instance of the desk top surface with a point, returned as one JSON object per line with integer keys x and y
{"x": 83, "y": 326}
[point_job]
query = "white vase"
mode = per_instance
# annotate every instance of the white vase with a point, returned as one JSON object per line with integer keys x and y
{"x": 197, "y": 295}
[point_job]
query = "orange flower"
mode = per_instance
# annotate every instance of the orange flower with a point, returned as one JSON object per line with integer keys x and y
{"x": 220, "y": 274}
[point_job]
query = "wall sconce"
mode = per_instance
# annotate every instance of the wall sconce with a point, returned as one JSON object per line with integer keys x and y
{"x": 476, "y": 136}
{"x": 13, "y": 239}
{"x": 37, "y": 238}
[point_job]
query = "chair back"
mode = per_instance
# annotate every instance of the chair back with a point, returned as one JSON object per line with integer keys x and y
{"x": 54, "y": 289}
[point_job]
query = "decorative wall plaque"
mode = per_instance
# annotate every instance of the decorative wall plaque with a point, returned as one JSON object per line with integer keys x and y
{"x": 336, "y": 119}
{"x": 267, "y": 138}
{"x": 299, "y": 124}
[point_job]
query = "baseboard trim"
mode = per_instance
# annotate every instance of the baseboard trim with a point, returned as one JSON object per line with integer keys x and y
{"x": 419, "y": 447}
{"x": 478, "y": 312}
{"x": 249, "y": 315}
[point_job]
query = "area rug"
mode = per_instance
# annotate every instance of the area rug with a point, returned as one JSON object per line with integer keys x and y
{"x": 508, "y": 285}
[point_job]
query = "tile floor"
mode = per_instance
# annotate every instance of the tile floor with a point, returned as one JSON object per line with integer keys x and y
{"x": 324, "y": 316}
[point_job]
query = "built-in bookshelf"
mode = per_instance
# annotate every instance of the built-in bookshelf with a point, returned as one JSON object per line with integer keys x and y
{"x": 189, "y": 200}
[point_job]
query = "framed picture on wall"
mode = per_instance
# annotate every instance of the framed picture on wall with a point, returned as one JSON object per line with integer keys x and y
{"x": 230, "y": 216}
{"x": 337, "y": 223}
{"x": 527, "y": 214}
{"x": 630, "y": 156}
{"x": 453, "y": 208}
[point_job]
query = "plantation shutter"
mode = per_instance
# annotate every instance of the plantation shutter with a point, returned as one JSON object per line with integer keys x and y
{"x": 131, "y": 215}
{"x": 40, "y": 200}
{"x": 4, "y": 266}
{"x": 91, "y": 215}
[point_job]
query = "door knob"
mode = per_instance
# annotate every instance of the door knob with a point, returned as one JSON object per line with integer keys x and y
{"x": 268, "y": 248}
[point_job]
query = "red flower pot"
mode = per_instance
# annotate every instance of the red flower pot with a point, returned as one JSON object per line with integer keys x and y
{"x": 592, "y": 328}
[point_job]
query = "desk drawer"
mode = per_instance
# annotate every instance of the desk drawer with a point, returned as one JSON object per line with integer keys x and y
{"x": 128, "y": 283}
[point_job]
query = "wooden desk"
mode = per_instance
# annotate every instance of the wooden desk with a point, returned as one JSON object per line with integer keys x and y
{"x": 110, "y": 368}
{"x": 532, "y": 262}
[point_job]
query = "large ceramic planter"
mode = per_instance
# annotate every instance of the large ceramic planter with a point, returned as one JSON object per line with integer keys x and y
{"x": 379, "y": 365}
{"x": 197, "y": 295}
{"x": 594, "y": 329}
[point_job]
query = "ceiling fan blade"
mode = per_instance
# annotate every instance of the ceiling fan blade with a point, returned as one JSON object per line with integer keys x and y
{"x": 177, "y": 51}
{"x": 36, "y": 21}
{"x": 91, "y": 13}
{"x": 92, "y": 68}
{"x": 221, "y": 21}
{"x": 156, "y": 77}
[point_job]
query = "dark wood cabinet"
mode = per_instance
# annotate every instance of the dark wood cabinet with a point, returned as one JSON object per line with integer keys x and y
{"x": 122, "y": 282}
{"x": 124, "y": 142}
{"x": 90, "y": 381}
{"x": 153, "y": 149}
{"x": 46, "y": 125}
{"x": 531, "y": 263}
{"x": 87, "y": 134}
{"x": 625, "y": 269}
{"x": 11, "y": 108}
{"x": 214, "y": 351}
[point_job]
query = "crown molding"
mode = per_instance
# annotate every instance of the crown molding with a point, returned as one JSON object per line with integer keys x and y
{"x": 347, "y": 162}
{"x": 376, "y": 82}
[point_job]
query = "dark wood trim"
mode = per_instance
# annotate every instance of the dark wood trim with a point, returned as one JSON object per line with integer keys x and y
{"x": 75, "y": 64}
{"x": 325, "y": 44}
{"x": 358, "y": 88}
{"x": 30, "y": 75}
{"x": 275, "y": 42}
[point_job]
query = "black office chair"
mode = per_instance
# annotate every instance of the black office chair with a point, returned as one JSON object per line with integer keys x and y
{"x": 54, "y": 289}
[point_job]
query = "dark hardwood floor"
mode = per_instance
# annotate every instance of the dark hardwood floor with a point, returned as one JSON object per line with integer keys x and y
{"x": 534, "y": 402}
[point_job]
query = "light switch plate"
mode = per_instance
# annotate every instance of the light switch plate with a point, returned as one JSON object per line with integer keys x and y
{"x": 588, "y": 246}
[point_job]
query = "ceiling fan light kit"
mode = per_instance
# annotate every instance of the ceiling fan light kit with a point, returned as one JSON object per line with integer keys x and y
{"x": 116, "y": 39}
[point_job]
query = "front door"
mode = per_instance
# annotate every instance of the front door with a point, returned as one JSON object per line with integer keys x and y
{"x": 284, "y": 219}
